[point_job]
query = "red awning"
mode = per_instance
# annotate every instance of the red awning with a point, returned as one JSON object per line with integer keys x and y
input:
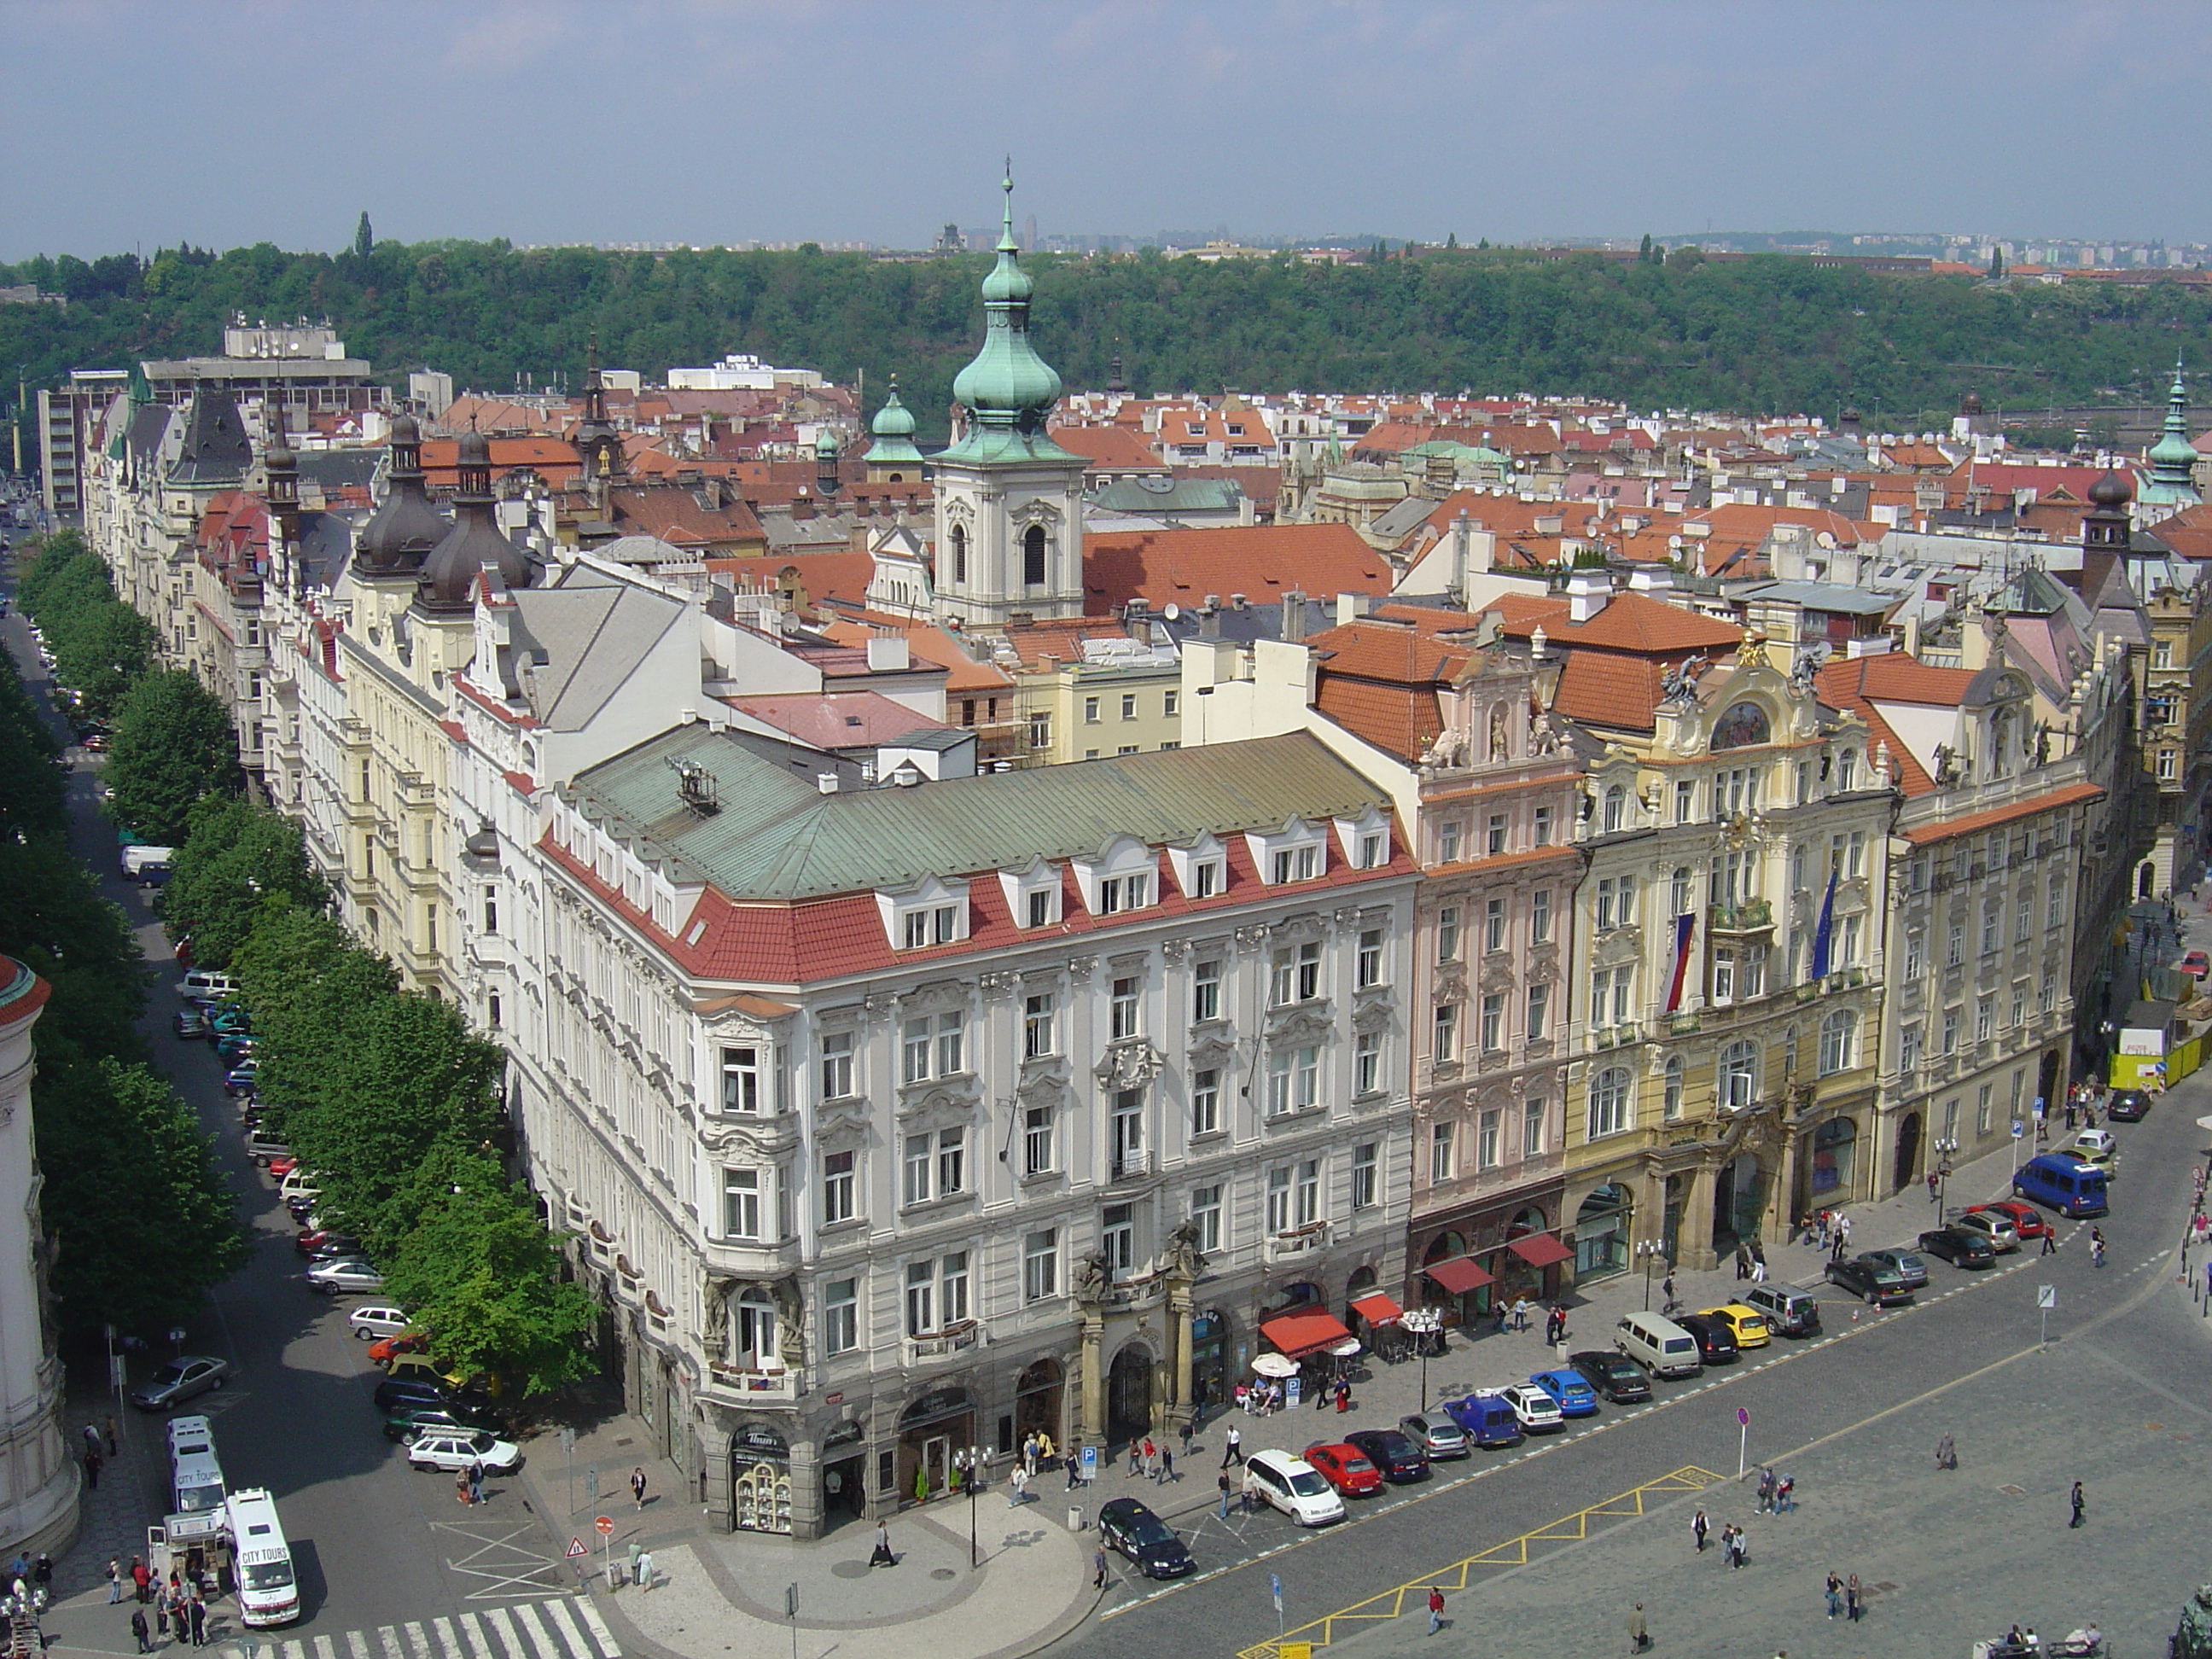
{"x": 1459, "y": 1275}
{"x": 1298, "y": 1334}
{"x": 1538, "y": 1249}
{"x": 1377, "y": 1310}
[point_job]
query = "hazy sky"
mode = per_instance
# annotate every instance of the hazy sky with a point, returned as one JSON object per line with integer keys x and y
{"x": 223, "y": 122}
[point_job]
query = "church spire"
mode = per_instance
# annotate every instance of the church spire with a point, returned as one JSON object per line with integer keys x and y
{"x": 2173, "y": 459}
{"x": 1007, "y": 388}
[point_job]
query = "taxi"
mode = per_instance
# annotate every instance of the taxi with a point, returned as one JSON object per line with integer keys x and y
{"x": 1747, "y": 1325}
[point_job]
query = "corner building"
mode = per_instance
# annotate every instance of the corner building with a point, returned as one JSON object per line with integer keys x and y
{"x": 896, "y": 1122}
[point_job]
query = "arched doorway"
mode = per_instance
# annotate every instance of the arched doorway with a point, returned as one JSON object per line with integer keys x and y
{"x": 930, "y": 1431}
{"x": 1129, "y": 1396}
{"x": 1602, "y": 1231}
{"x": 760, "y": 1480}
{"x": 1738, "y": 1201}
{"x": 844, "y": 1474}
{"x": 1037, "y": 1401}
{"x": 1908, "y": 1151}
{"x": 1835, "y": 1158}
{"x": 1515, "y": 1278}
{"x": 1210, "y": 1381}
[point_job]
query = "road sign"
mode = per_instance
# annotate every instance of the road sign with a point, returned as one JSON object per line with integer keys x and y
{"x": 605, "y": 1524}
{"x": 591, "y": 1485}
{"x": 1090, "y": 1464}
{"x": 568, "y": 1439}
{"x": 1275, "y": 1589}
{"x": 2047, "y": 1296}
{"x": 1743, "y": 1416}
{"x": 576, "y": 1547}
{"x": 2018, "y": 1128}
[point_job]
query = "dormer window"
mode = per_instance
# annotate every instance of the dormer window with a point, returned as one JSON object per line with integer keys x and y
{"x": 1296, "y": 864}
{"x": 1123, "y": 880}
{"x": 933, "y": 914}
{"x": 1201, "y": 870}
{"x": 939, "y": 924}
{"x": 1117, "y": 893}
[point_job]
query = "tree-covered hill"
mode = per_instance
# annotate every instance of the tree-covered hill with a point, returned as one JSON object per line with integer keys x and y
{"x": 1764, "y": 334}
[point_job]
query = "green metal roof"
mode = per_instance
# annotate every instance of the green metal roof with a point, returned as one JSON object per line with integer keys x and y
{"x": 776, "y": 836}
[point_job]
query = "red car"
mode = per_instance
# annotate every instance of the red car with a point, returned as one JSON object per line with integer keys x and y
{"x": 1344, "y": 1467}
{"x": 281, "y": 1167}
{"x": 2026, "y": 1219}
{"x": 2197, "y": 964}
{"x": 323, "y": 1240}
{"x": 385, "y": 1349}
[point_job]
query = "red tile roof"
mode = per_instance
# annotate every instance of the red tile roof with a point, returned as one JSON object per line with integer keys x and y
{"x": 548, "y": 457}
{"x": 1109, "y": 448}
{"x": 841, "y": 720}
{"x": 1263, "y": 561}
{"x": 2072, "y": 794}
{"x": 1630, "y": 622}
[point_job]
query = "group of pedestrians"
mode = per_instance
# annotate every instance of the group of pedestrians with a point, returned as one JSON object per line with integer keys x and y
{"x": 1733, "y": 1546}
{"x": 1153, "y": 1462}
{"x": 173, "y": 1602}
{"x": 1846, "y": 1596}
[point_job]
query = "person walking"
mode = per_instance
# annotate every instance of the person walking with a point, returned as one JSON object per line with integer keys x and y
{"x": 160, "y": 1609}
{"x": 1222, "y": 1481}
{"x": 1698, "y": 1527}
{"x": 1743, "y": 1262}
{"x": 92, "y": 1436}
{"x": 2096, "y": 1247}
{"x": 1436, "y": 1608}
{"x": 1835, "y": 1595}
{"x": 2078, "y": 1503}
{"x": 114, "y": 1580}
{"x": 1099, "y": 1567}
{"x": 882, "y": 1556}
{"x": 637, "y": 1486}
{"x": 1932, "y": 1178}
{"x": 460, "y": 1486}
{"x": 647, "y": 1572}
{"x": 139, "y": 1628}
{"x": 1639, "y": 1634}
{"x": 1075, "y": 1461}
{"x": 1766, "y": 1490}
{"x": 114, "y": 1445}
{"x": 1167, "y": 1475}
{"x": 1189, "y": 1427}
{"x": 140, "y": 1578}
{"x": 1947, "y": 1453}
{"x": 476, "y": 1481}
{"x": 1232, "y": 1447}
{"x": 1018, "y": 1486}
{"x": 2050, "y": 1240}
{"x": 1852, "y": 1605}
{"x": 198, "y": 1613}
{"x": 92, "y": 1461}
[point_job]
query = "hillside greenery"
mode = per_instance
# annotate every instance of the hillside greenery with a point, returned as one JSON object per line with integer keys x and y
{"x": 1767, "y": 334}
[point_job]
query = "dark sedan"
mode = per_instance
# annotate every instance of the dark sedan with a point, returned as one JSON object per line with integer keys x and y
{"x": 1910, "y": 1267}
{"x": 1717, "y": 1344}
{"x": 1146, "y": 1539}
{"x": 2127, "y": 1106}
{"x": 1398, "y": 1458}
{"x": 410, "y": 1420}
{"x": 189, "y": 1022}
{"x": 1958, "y": 1246}
{"x": 1874, "y": 1282}
{"x": 1614, "y": 1376}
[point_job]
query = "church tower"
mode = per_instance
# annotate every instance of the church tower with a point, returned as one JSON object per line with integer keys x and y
{"x": 2173, "y": 481}
{"x": 893, "y": 459}
{"x": 1009, "y": 500}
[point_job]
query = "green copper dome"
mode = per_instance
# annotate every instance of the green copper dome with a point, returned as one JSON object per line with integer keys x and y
{"x": 894, "y": 419}
{"x": 2173, "y": 458}
{"x": 1007, "y": 386}
{"x": 825, "y": 445}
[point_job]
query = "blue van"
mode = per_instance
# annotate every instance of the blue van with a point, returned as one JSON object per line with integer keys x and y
{"x": 1488, "y": 1418}
{"x": 2062, "y": 1183}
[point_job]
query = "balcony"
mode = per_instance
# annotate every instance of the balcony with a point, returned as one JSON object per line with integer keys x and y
{"x": 1297, "y": 1241}
{"x": 944, "y": 1345}
{"x": 1614, "y": 1036}
{"x": 1129, "y": 1166}
{"x": 1749, "y": 916}
{"x": 729, "y": 1385}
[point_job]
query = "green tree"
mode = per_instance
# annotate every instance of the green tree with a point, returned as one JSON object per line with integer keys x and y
{"x": 1996, "y": 263}
{"x": 101, "y": 650}
{"x": 364, "y": 238}
{"x": 34, "y": 784}
{"x": 237, "y": 862}
{"x": 173, "y": 743}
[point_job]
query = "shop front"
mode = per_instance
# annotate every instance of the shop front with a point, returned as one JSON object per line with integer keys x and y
{"x": 844, "y": 1459}
{"x": 932, "y": 1429}
{"x": 1603, "y": 1224}
{"x": 760, "y": 1480}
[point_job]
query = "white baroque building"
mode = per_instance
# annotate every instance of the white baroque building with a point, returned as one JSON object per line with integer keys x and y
{"x": 38, "y": 1482}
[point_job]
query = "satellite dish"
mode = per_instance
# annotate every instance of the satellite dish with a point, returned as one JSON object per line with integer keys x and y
{"x": 1173, "y": 611}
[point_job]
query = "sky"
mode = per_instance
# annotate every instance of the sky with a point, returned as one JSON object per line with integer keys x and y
{"x": 131, "y": 125}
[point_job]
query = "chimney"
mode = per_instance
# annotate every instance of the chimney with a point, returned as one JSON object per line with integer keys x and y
{"x": 1655, "y": 579}
{"x": 1350, "y": 607}
{"x": 825, "y": 782}
{"x": 887, "y": 654}
{"x": 1238, "y": 601}
{"x": 1294, "y": 617}
{"x": 1589, "y": 590}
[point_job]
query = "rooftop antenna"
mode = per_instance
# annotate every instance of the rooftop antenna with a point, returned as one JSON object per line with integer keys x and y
{"x": 695, "y": 786}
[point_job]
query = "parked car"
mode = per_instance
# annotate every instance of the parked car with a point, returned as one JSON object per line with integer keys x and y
{"x": 408, "y": 1421}
{"x": 238, "y": 1080}
{"x": 459, "y": 1449}
{"x": 1539, "y": 1413}
{"x": 374, "y": 1320}
{"x": 1872, "y": 1282}
{"x": 409, "y": 1393}
{"x": 1615, "y": 1376}
{"x": 386, "y": 1349}
{"x": 234, "y": 1050}
{"x": 1747, "y": 1325}
{"x": 179, "y": 1380}
{"x": 1394, "y": 1454}
{"x": 1789, "y": 1309}
{"x": 2026, "y": 1220}
{"x": 1292, "y": 1485}
{"x": 1488, "y": 1418}
{"x": 1910, "y": 1267}
{"x": 323, "y": 1240}
{"x": 1435, "y": 1434}
{"x": 2195, "y": 964}
{"x": 2128, "y": 1105}
{"x": 1959, "y": 1246}
{"x": 1148, "y": 1541}
{"x": 343, "y": 1275}
{"x": 2000, "y": 1230}
{"x": 2097, "y": 1147}
{"x": 189, "y": 1024}
{"x": 1573, "y": 1396}
{"x": 281, "y": 1167}
{"x": 1716, "y": 1341}
{"x": 1345, "y": 1467}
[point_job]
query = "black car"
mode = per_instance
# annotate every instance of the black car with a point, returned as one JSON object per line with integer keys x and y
{"x": 1399, "y": 1459}
{"x": 1716, "y": 1341}
{"x": 1875, "y": 1282}
{"x": 2127, "y": 1106}
{"x": 410, "y": 1420}
{"x": 1959, "y": 1247}
{"x": 397, "y": 1394}
{"x": 1615, "y": 1376}
{"x": 1146, "y": 1539}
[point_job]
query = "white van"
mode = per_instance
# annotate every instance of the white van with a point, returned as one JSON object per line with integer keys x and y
{"x": 300, "y": 1182}
{"x": 190, "y": 1437}
{"x": 206, "y": 982}
{"x": 137, "y": 860}
{"x": 1660, "y": 1346}
{"x": 196, "y": 1483}
{"x": 268, "y": 1589}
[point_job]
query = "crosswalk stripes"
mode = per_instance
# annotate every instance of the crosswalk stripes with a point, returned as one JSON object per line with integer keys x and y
{"x": 564, "y": 1628}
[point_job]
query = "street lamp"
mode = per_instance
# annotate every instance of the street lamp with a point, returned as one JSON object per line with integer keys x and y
{"x": 968, "y": 1460}
{"x": 1648, "y": 1251}
{"x": 1944, "y": 1148}
{"x": 1422, "y": 1322}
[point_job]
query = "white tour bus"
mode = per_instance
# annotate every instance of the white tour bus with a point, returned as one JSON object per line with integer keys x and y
{"x": 268, "y": 1591}
{"x": 196, "y": 1484}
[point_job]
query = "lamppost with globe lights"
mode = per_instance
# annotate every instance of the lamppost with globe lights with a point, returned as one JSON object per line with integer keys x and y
{"x": 1944, "y": 1147}
{"x": 1648, "y": 1251}
{"x": 968, "y": 1460}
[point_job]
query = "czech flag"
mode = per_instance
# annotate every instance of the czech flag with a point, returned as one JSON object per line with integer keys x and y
{"x": 1685, "y": 927}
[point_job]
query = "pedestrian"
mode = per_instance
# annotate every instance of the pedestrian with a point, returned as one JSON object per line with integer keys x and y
{"x": 1639, "y": 1636}
{"x": 1167, "y": 1475}
{"x": 1018, "y": 1486}
{"x": 637, "y": 1485}
{"x": 91, "y": 1437}
{"x": 647, "y": 1572}
{"x": 1758, "y": 1270}
{"x": 2096, "y": 1247}
{"x": 1099, "y": 1567}
{"x": 1743, "y": 1262}
{"x": 115, "y": 1581}
{"x": 114, "y": 1446}
{"x": 198, "y": 1611}
{"x": 1436, "y": 1608}
{"x": 139, "y": 1629}
{"x": 1521, "y": 1313}
{"x": 1136, "y": 1458}
{"x": 1504, "y": 1317}
{"x": 1735, "y": 1545}
{"x": 1947, "y": 1452}
{"x": 1786, "y": 1493}
{"x": 1698, "y": 1527}
{"x": 140, "y": 1578}
{"x": 2050, "y": 1239}
{"x": 1244, "y": 1399}
{"x": 2078, "y": 1503}
{"x": 1852, "y": 1603}
{"x": 1028, "y": 1452}
{"x": 1931, "y": 1173}
{"x": 882, "y": 1556}
{"x": 43, "y": 1574}
{"x": 1343, "y": 1394}
{"x": 1667, "y": 1292}
{"x": 1151, "y": 1459}
{"x": 1189, "y": 1427}
{"x": 1766, "y": 1490}
{"x": 1232, "y": 1447}
{"x": 1222, "y": 1481}
{"x": 1075, "y": 1461}
{"x": 160, "y": 1609}
{"x": 1835, "y": 1595}
{"x": 92, "y": 1471}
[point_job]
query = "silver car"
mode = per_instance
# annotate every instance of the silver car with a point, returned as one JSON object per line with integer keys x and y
{"x": 345, "y": 1273}
{"x": 179, "y": 1380}
{"x": 1435, "y": 1434}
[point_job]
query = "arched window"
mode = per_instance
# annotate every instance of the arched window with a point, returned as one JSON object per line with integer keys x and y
{"x": 1672, "y": 1098}
{"x": 1738, "y": 1084}
{"x": 1616, "y": 808}
{"x": 1678, "y": 894}
{"x": 1740, "y": 726}
{"x": 2000, "y": 741}
{"x": 1847, "y": 771}
{"x": 1033, "y": 556}
{"x": 960, "y": 553}
{"x": 1608, "y": 1101}
{"x": 1838, "y": 1041}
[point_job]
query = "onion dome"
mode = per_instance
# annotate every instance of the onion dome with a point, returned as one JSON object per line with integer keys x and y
{"x": 1007, "y": 386}
{"x": 449, "y": 574}
{"x": 2110, "y": 491}
{"x": 893, "y": 427}
{"x": 402, "y": 529}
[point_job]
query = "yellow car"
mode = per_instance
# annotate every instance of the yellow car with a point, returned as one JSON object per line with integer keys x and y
{"x": 1747, "y": 1325}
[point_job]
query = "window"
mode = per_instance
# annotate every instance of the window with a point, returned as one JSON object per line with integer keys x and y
{"x": 1985, "y": 1018}
{"x": 1992, "y": 926}
{"x": 837, "y": 1065}
{"x": 1685, "y": 800}
{"x": 1441, "y": 1166}
{"x": 1117, "y": 1241}
{"x": 1128, "y": 1129}
{"x": 1609, "y": 996}
{"x": 1616, "y": 902}
{"x": 1493, "y": 1022}
{"x": 1494, "y": 833}
{"x": 1367, "y": 966}
{"x": 959, "y": 553}
{"x": 741, "y": 1079}
{"x": 1443, "y": 1048}
{"x": 2023, "y": 921}
{"x": 1295, "y": 975}
{"x": 1128, "y": 705}
{"x": 1739, "y": 1075}
{"x": 1279, "y": 1199}
{"x": 741, "y": 1204}
{"x": 1919, "y": 877}
{"x": 1724, "y": 974}
{"x": 1033, "y": 556}
{"x": 1670, "y": 1098}
{"x": 1206, "y": 874}
{"x": 1847, "y": 770}
{"x": 837, "y": 1187}
{"x": 1540, "y": 1012}
{"x": 1205, "y": 1102}
{"x": 1955, "y": 945}
{"x": 1041, "y": 731}
{"x": 1206, "y": 992}
{"x": 1041, "y": 1265}
{"x": 2046, "y": 995}
{"x": 1915, "y": 957}
{"x": 2161, "y": 653}
{"x": 951, "y": 1160}
{"x": 2019, "y": 1005}
{"x": 1532, "y": 1113}
{"x": 1040, "y": 907}
{"x": 915, "y": 1050}
{"x": 1297, "y": 863}
{"x": 1293, "y": 1079}
{"x": 915, "y": 1169}
{"x": 1839, "y": 1042}
{"x": 1122, "y": 1010}
{"x": 1540, "y": 916}
{"x": 1040, "y": 1027}
{"x": 1608, "y": 1101}
{"x": 1448, "y": 837}
{"x": 1036, "y": 1140}
{"x": 1543, "y": 836}
{"x": 937, "y": 925}
{"x": 1171, "y": 704}
{"x": 1950, "y": 1030}
{"x": 1908, "y": 1047}
{"x": 1494, "y": 926}
{"x": 1615, "y": 816}
{"x": 952, "y": 1044}
{"x": 1751, "y": 976}
{"x": 1982, "y": 1113}
{"x": 920, "y": 1298}
{"x": 1855, "y": 856}
{"x": 1118, "y": 893}
{"x": 840, "y": 1315}
{"x": 2054, "y": 910}
{"x": 1374, "y": 850}
{"x": 1091, "y": 711}
{"x": 1366, "y": 1063}
{"x": 491, "y": 909}
{"x": 1206, "y": 1217}
{"x": 492, "y": 1010}
{"x": 1797, "y": 868}
{"x": 1448, "y": 933}
{"x": 1366, "y": 1173}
